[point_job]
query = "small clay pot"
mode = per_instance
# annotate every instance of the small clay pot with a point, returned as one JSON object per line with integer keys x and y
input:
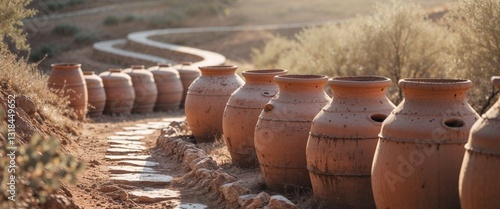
{"x": 68, "y": 78}
{"x": 283, "y": 128}
{"x": 169, "y": 87}
{"x": 478, "y": 184}
{"x": 207, "y": 98}
{"x": 145, "y": 89}
{"x": 420, "y": 149}
{"x": 188, "y": 74}
{"x": 243, "y": 110}
{"x": 96, "y": 93}
{"x": 120, "y": 94}
{"x": 343, "y": 138}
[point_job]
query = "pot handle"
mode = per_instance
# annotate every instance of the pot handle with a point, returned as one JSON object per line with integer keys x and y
{"x": 268, "y": 107}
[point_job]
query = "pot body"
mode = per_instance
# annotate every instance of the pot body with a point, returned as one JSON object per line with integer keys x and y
{"x": 283, "y": 128}
{"x": 243, "y": 110}
{"x": 169, "y": 85}
{"x": 145, "y": 89}
{"x": 120, "y": 94}
{"x": 188, "y": 74}
{"x": 420, "y": 149}
{"x": 206, "y": 99}
{"x": 478, "y": 186}
{"x": 96, "y": 94}
{"x": 343, "y": 139}
{"x": 68, "y": 78}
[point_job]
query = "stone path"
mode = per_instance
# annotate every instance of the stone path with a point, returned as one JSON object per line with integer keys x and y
{"x": 145, "y": 181}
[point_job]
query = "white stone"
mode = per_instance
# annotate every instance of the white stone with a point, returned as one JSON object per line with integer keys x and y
{"x": 125, "y": 133}
{"x": 127, "y": 157}
{"x": 149, "y": 195}
{"x": 129, "y": 146}
{"x": 138, "y": 163}
{"x": 122, "y": 141}
{"x": 191, "y": 206}
{"x": 280, "y": 202}
{"x": 113, "y": 150}
{"x": 133, "y": 128}
{"x": 130, "y": 169}
{"x": 177, "y": 119}
{"x": 144, "y": 132}
{"x": 142, "y": 179}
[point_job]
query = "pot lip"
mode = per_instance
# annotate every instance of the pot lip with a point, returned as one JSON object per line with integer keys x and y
{"x": 164, "y": 64}
{"x": 435, "y": 83}
{"x": 63, "y": 65}
{"x": 495, "y": 80}
{"x": 301, "y": 78}
{"x": 137, "y": 67}
{"x": 88, "y": 72}
{"x": 264, "y": 72}
{"x": 115, "y": 70}
{"x": 363, "y": 80}
{"x": 214, "y": 68}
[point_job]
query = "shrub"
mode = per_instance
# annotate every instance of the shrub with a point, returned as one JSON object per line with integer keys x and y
{"x": 172, "y": 17}
{"x": 111, "y": 20}
{"x": 11, "y": 15}
{"x": 44, "y": 50}
{"x": 65, "y": 29}
{"x": 476, "y": 48}
{"x": 129, "y": 18}
{"x": 85, "y": 38}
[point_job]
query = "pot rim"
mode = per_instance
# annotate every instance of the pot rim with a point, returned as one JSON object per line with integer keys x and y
{"x": 218, "y": 67}
{"x": 63, "y": 65}
{"x": 435, "y": 84}
{"x": 301, "y": 78}
{"x": 363, "y": 80}
{"x": 115, "y": 70}
{"x": 88, "y": 72}
{"x": 264, "y": 72}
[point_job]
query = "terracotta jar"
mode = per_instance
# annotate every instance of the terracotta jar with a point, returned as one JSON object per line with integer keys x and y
{"x": 169, "y": 87}
{"x": 243, "y": 110}
{"x": 343, "y": 138}
{"x": 283, "y": 128}
{"x": 96, "y": 93}
{"x": 479, "y": 186}
{"x": 420, "y": 149}
{"x": 120, "y": 94}
{"x": 206, "y": 99}
{"x": 68, "y": 79}
{"x": 144, "y": 87}
{"x": 188, "y": 74}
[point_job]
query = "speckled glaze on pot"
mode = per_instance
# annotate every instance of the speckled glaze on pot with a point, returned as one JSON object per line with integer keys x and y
{"x": 144, "y": 87}
{"x": 243, "y": 110}
{"x": 120, "y": 94}
{"x": 96, "y": 93}
{"x": 283, "y": 128}
{"x": 68, "y": 78}
{"x": 479, "y": 185}
{"x": 188, "y": 74}
{"x": 420, "y": 149}
{"x": 207, "y": 98}
{"x": 169, "y": 85}
{"x": 343, "y": 138}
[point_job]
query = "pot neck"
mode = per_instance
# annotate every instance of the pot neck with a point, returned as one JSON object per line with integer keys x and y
{"x": 359, "y": 86}
{"x": 218, "y": 70}
{"x": 435, "y": 90}
{"x": 301, "y": 83}
{"x": 66, "y": 66}
{"x": 262, "y": 77}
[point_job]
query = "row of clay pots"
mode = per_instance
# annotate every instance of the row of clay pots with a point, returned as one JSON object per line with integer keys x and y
{"x": 411, "y": 154}
{"x": 134, "y": 89}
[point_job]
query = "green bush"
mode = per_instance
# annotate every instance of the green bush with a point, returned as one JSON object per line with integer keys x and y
{"x": 65, "y": 29}
{"x": 111, "y": 20}
{"x": 11, "y": 15}
{"x": 85, "y": 38}
{"x": 129, "y": 18}
{"x": 44, "y": 50}
{"x": 171, "y": 18}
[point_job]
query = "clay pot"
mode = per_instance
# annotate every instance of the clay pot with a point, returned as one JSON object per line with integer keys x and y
{"x": 343, "y": 138}
{"x": 479, "y": 186}
{"x": 144, "y": 87}
{"x": 243, "y": 110}
{"x": 169, "y": 87}
{"x": 188, "y": 74}
{"x": 420, "y": 150}
{"x": 120, "y": 94}
{"x": 68, "y": 79}
{"x": 96, "y": 93}
{"x": 283, "y": 128}
{"x": 206, "y": 100}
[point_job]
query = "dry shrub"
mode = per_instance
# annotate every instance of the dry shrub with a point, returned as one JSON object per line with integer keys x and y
{"x": 475, "y": 50}
{"x": 398, "y": 41}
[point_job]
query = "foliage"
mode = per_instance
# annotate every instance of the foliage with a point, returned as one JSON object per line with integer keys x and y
{"x": 476, "y": 47}
{"x": 55, "y": 5}
{"x": 129, "y": 18}
{"x": 44, "y": 50}
{"x": 11, "y": 15}
{"x": 86, "y": 38}
{"x": 65, "y": 29}
{"x": 111, "y": 20}
{"x": 40, "y": 169}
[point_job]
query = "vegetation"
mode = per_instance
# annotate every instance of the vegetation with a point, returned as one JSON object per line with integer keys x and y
{"x": 44, "y": 50}
{"x": 399, "y": 41}
{"x": 85, "y": 38}
{"x": 65, "y": 29}
{"x": 11, "y": 16}
{"x": 111, "y": 20}
{"x": 55, "y": 5}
